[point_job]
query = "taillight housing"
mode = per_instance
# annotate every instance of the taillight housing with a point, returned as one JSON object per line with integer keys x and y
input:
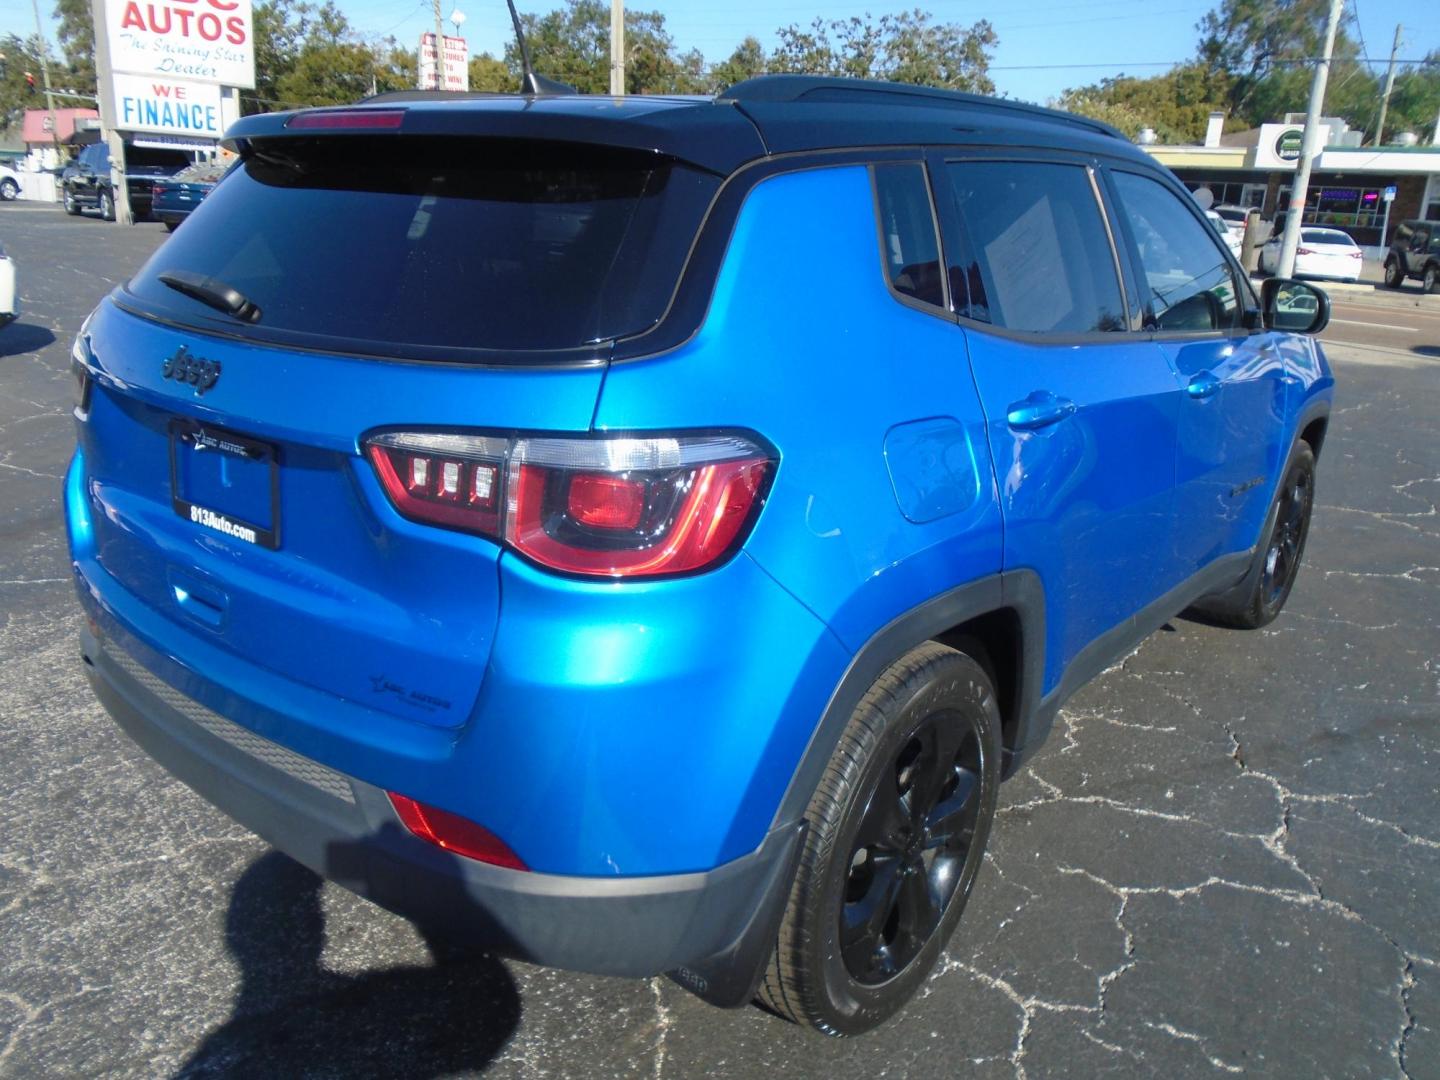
{"x": 633, "y": 506}
{"x": 1303, "y": 251}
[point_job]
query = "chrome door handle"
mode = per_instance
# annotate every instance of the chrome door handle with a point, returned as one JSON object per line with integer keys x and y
{"x": 1040, "y": 409}
{"x": 1203, "y": 385}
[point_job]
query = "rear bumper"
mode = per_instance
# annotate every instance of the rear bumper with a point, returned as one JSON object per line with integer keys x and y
{"x": 712, "y": 931}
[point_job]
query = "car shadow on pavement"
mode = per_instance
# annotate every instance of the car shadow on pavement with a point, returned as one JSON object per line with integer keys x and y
{"x": 294, "y": 1018}
{"x": 22, "y": 337}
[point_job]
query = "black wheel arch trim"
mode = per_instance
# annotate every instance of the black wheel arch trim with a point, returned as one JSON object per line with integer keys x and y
{"x": 1019, "y": 591}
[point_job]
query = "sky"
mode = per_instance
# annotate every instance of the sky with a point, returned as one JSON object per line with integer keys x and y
{"x": 1045, "y": 45}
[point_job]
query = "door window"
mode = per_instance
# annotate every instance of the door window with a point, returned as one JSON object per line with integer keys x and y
{"x": 1041, "y": 245}
{"x": 909, "y": 240}
{"x": 1190, "y": 283}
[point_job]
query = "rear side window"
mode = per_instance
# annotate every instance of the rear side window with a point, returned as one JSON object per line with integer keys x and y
{"x": 909, "y": 240}
{"x": 1190, "y": 283}
{"x": 391, "y": 246}
{"x": 1042, "y": 245}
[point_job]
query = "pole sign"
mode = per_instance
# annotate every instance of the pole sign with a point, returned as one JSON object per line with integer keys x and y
{"x": 209, "y": 41}
{"x": 457, "y": 63}
{"x": 1390, "y": 193}
{"x": 167, "y": 106}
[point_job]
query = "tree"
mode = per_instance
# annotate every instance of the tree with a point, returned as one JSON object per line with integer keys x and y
{"x": 310, "y": 55}
{"x": 20, "y": 87}
{"x": 1176, "y": 104}
{"x": 77, "y": 42}
{"x": 490, "y": 74}
{"x": 572, "y": 44}
{"x": 1415, "y": 101}
{"x": 747, "y": 61}
{"x": 1253, "y": 41}
{"x": 909, "y": 47}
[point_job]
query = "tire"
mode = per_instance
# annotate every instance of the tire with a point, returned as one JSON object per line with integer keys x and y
{"x": 171, "y": 226}
{"x": 1431, "y": 280}
{"x": 1261, "y": 595}
{"x": 107, "y": 206}
{"x": 9, "y": 190}
{"x": 71, "y": 206}
{"x": 921, "y": 751}
{"x": 1394, "y": 276}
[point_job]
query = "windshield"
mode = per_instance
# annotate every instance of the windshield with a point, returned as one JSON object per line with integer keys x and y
{"x": 392, "y": 246}
{"x": 205, "y": 173}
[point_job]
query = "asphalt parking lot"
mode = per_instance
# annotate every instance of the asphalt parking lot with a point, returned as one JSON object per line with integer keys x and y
{"x": 1226, "y": 861}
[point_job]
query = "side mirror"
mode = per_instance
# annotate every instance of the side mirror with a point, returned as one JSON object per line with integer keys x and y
{"x": 1294, "y": 306}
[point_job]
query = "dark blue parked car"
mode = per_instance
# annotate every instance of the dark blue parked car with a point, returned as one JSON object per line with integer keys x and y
{"x": 177, "y": 196}
{"x": 640, "y": 534}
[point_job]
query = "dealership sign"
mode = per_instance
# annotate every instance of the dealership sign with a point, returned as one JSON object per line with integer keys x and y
{"x": 209, "y": 41}
{"x": 168, "y": 106}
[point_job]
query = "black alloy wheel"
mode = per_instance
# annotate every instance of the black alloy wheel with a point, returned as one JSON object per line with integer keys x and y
{"x": 914, "y": 840}
{"x": 896, "y": 832}
{"x": 1282, "y": 556}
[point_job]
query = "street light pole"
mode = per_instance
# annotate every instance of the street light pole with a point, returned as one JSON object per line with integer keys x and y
{"x": 1309, "y": 148}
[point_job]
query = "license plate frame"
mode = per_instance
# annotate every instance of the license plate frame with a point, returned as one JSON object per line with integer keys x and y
{"x": 190, "y": 437}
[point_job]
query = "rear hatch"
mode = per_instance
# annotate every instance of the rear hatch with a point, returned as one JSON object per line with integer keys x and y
{"x": 460, "y": 285}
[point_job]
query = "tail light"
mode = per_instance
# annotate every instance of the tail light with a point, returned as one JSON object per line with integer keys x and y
{"x": 610, "y": 507}
{"x": 1303, "y": 251}
{"x": 1357, "y": 254}
{"x": 454, "y": 833}
{"x": 159, "y": 189}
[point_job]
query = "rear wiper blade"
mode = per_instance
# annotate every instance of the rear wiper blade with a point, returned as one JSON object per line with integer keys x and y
{"x": 212, "y": 292}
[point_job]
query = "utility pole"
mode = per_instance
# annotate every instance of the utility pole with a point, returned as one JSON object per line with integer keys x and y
{"x": 439, "y": 48}
{"x": 617, "y": 47}
{"x": 1389, "y": 85}
{"x": 1309, "y": 148}
{"x": 45, "y": 78}
{"x": 105, "y": 89}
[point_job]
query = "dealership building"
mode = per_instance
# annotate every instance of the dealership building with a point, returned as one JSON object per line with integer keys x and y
{"x": 1364, "y": 190}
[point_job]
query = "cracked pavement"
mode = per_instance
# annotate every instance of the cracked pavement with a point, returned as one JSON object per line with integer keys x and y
{"x": 1227, "y": 860}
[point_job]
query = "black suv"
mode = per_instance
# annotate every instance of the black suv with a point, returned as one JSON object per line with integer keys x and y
{"x": 1415, "y": 253}
{"x": 85, "y": 183}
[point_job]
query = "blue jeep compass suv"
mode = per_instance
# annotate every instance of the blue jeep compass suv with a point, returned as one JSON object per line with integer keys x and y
{"x": 639, "y": 534}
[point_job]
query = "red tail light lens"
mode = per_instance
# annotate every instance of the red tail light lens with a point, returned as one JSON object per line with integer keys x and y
{"x": 454, "y": 833}
{"x": 1303, "y": 251}
{"x": 159, "y": 189}
{"x": 600, "y": 507}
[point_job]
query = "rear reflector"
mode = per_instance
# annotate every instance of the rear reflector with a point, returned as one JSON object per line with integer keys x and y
{"x": 346, "y": 119}
{"x": 454, "y": 833}
{"x": 593, "y": 506}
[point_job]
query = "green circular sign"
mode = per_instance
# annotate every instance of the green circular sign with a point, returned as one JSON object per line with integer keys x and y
{"x": 1287, "y": 146}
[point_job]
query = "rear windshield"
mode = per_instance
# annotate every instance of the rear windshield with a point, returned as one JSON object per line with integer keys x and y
{"x": 1326, "y": 236}
{"x": 405, "y": 246}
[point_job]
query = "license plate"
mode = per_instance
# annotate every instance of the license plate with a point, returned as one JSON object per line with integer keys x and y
{"x": 224, "y": 482}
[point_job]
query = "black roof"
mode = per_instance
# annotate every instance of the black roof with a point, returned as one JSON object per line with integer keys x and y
{"x": 772, "y": 114}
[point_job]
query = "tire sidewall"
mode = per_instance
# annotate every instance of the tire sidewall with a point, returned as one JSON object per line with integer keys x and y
{"x": 845, "y": 1005}
{"x": 9, "y": 190}
{"x": 1302, "y": 461}
{"x": 107, "y": 206}
{"x": 1393, "y": 276}
{"x": 1431, "y": 281}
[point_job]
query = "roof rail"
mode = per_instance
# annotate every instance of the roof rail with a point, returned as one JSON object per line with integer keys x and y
{"x": 820, "y": 88}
